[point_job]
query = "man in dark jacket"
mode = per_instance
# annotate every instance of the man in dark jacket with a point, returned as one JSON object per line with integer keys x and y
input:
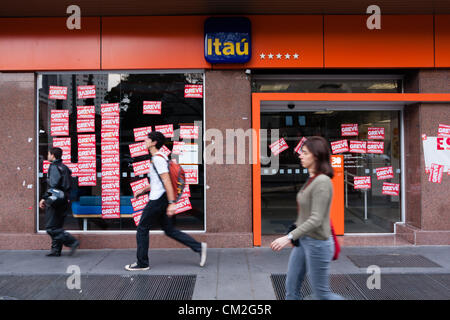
{"x": 57, "y": 207}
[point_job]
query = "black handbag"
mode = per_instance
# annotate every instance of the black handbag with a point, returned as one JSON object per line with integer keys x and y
{"x": 295, "y": 243}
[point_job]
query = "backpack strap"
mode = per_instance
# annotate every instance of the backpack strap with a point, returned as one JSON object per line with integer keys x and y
{"x": 157, "y": 173}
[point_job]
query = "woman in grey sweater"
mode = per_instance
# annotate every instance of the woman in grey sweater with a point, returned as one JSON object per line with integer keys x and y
{"x": 316, "y": 247}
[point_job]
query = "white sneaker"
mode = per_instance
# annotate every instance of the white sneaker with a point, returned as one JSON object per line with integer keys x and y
{"x": 203, "y": 254}
{"x": 134, "y": 267}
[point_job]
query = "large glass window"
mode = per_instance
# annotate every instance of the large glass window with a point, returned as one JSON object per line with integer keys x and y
{"x": 144, "y": 101}
{"x": 370, "y": 210}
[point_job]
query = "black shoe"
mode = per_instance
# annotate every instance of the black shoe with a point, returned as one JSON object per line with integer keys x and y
{"x": 53, "y": 254}
{"x": 135, "y": 267}
{"x": 74, "y": 247}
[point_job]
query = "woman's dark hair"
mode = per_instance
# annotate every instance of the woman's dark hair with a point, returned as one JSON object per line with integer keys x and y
{"x": 320, "y": 149}
{"x": 57, "y": 152}
{"x": 158, "y": 137}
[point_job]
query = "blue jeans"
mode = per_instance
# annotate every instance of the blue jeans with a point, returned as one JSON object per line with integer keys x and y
{"x": 155, "y": 212}
{"x": 315, "y": 256}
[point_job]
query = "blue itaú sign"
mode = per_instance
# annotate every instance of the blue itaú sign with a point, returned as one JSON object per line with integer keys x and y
{"x": 227, "y": 40}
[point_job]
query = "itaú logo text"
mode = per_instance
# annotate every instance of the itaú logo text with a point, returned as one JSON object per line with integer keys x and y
{"x": 227, "y": 40}
{"x": 227, "y": 48}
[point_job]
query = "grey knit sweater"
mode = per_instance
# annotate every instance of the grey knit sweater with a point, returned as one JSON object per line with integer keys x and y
{"x": 314, "y": 203}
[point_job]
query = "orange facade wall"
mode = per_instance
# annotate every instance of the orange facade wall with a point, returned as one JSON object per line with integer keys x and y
{"x": 153, "y": 43}
{"x": 288, "y": 36}
{"x": 47, "y": 44}
{"x": 410, "y": 41}
{"x": 402, "y": 42}
{"x": 442, "y": 40}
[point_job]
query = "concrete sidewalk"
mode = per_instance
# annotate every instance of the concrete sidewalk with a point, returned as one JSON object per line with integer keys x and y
{"x": 229, "y": 274}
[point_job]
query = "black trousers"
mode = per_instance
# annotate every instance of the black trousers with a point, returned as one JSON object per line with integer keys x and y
{"x": 54, "y": 222}
{"x": 155, "y": 212}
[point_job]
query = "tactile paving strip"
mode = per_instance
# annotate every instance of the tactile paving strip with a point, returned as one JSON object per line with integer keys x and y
{"x": 392, "y": 287}
{"x": 393, "y": 261}
{"x": 99, "y": 287}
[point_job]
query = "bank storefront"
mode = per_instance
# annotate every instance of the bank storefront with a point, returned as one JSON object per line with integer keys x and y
{"x": 96, "y": 93}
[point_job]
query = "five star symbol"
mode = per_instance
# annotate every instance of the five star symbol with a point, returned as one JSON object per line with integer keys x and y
{"x": 279, "y": 56}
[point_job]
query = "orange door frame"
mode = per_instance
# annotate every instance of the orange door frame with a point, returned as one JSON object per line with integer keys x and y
{"x": 257, "y": 98}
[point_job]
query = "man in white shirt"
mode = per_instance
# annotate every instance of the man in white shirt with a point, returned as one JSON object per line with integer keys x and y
{"x": 160, "y": 208}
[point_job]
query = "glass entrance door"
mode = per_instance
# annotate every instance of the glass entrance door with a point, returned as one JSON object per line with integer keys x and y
{"x": 371, "y": 210}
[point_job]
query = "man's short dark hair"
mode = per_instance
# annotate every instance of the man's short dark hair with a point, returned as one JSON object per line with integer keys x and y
{"x": 158, "y": 137}
{"x": 57, "y": 152}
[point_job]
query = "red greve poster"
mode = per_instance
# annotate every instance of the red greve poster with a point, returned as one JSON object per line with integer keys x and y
{"x": 110, "y": 147}
{"x": 152, "y": 107}
{"x": 86, "y": 140}
{"x": 166, "y": 130}
{"x": 111, "y": 135}
{"x": 59, "y": 93}
{"x": 137, "y": 217}
{"x": 110, "y": 123}
{"x": 59, "y": 123}
{"x": 375, "y": 147}
{"x": 59, "y": 129}
{"x": 86, "y": 154}
{"x": 139, "y": 203}
{"x": 110, "y": 155}
{"x": 85, "y": 125}
{"x": 141, "y": 167}
{"x": 141, "y": 133}
{"x": 189, "y": 132}
{"x": 436, "y": 173}
{"x": 375, "y": 133}
{"x": 110, "y": 186}
{"x": 110, "y": 161}
{"x": 111, "y": 211}
{"x": 193, "y": 91}
{"x": 362, "y": 182}
{"x": 87, "y": 180}
{"x": 59, "y": 116}
{"x": 339, "y": 146}
{"x": 349, "y": 129}
{"x": 385, "y": 173}
{"x": 86, "y": 92}
{"x": 85, "y": 112}
{"x": 139, "y": 185}
{"x": 391, "y": 189}
{"x": 110, "y": 199}
{"x": 190, "y": 174}
{"x": 86, "y": 119}
{"x": 183, "y": 205}
{"x": 109, "y": 110}
{"x": 87, "y": 160}
{"x": 278, "y": 146}
{"x": 358, "y": 146}
{"x": 138, "y": 149}
{"x": 87, "y": 168}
